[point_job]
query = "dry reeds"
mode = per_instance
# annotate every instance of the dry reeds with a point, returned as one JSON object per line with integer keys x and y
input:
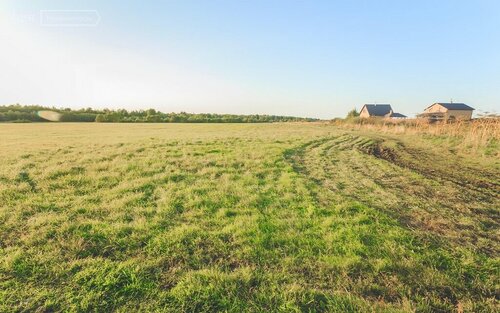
{"x": 477, "y": 135}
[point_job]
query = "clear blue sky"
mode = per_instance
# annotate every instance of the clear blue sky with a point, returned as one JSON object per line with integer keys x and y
{"x": 304, "y": 58}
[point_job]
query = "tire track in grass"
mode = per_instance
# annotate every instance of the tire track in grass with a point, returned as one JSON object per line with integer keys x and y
{"x": 353, "y": 167}
{"x": 448, "y": 233}
{"x": 483, "y": 183}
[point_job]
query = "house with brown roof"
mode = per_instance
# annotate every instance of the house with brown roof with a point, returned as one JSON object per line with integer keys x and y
{"x": 447, "y": 112}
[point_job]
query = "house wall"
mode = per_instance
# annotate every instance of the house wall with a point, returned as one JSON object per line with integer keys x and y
{"x": 364, "y": 113}
{"x": 459, "y": 114}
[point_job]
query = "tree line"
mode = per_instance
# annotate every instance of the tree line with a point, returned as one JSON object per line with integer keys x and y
{"x": 29, "y": 113}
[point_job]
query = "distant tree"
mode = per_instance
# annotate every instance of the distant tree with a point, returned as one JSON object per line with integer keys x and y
{"x": 78, "y": 117}
{"x": 151, "y": 112}
{"x": 353, "y": 113}
{"x": 23, "y": 113}
{"x": 100, "y": 118}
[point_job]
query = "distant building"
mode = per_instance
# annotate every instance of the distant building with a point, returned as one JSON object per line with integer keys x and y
{"x": 397, "y": 115}
{"x": 379, "y": 110}
{"x": 447, "y": 112}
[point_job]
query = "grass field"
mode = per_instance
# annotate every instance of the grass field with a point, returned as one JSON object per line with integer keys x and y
{"x": 244, "y": 218}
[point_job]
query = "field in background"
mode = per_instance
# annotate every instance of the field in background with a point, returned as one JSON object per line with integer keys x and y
{"x": 293, "y": 217}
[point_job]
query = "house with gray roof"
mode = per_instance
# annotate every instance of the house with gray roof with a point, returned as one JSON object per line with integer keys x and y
{"x": 379, "y": 110}
{"x": 447, "y": 111}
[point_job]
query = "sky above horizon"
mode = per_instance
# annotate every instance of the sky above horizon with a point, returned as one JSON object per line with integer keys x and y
{"x": 301, "y": 58}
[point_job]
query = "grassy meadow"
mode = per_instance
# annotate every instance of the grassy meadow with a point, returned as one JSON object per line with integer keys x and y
{"x": 283, "y": 217}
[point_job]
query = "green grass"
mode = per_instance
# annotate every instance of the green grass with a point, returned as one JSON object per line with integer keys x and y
{"x": 243, "y": 218}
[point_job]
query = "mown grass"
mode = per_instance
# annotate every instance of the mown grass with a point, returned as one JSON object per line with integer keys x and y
{"x": 242, "y": 218}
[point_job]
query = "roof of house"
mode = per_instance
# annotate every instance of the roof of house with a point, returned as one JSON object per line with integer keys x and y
{"x": 378, "y": 109}
{"x": 455, "y": 106}
{"x": 397, "y": 115}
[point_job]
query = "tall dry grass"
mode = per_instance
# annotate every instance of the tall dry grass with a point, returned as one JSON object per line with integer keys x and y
{"x": 481, "y": 135}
